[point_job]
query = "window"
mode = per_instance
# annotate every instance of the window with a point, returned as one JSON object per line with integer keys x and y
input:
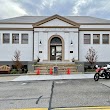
{"x": 15, "y": 38}
{"x": 87, "y": 38}
{"x": 56, "y": 41}
{"x": 96, "y": 38}
{"x": 6, "y": 38}
{"x": 24, "y": 38}
{"x": 105, "y": 38}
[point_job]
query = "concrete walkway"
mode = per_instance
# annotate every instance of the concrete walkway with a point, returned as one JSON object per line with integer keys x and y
{"x": 7, "y": 78}
{"x": 44, "y": 77}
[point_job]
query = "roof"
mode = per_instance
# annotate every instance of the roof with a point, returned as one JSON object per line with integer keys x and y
{"x": 74, "y": 24}
{"x": 77, "y": 19}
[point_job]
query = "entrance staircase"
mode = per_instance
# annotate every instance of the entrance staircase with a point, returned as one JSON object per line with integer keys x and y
{"x": 49, "y": 68}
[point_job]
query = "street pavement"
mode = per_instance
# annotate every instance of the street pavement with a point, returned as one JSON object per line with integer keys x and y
{"x": 16, "y": 95}
{"x": 54, "y": 92}
{"x": 72, "y": 94}
{"x": 84, "y": 92}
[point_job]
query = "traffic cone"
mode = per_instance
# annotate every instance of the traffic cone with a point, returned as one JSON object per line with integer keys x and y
{"x": 68, "y": 71}
{"x": 51, "y": 72}
{"x": 38, "y": 71}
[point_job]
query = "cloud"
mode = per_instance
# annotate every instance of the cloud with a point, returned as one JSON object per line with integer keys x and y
{"x": 96, "y": 8}
{"x": 9, "y": 8}
{"x": 61, "y": 7}
{"x": 77, "y": 6}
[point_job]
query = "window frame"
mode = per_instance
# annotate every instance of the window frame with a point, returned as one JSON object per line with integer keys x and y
{"x": 89, "y": 39}
{"x": 6, "y": 39}
{"x": 96, "y": 39}
{"x": 15, "y": 39}
{"x": 24, "y": 39}
{"x": 104, "y": 39}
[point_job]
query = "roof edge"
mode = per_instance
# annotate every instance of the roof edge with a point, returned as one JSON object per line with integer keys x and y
{"x": 56, "y": 17}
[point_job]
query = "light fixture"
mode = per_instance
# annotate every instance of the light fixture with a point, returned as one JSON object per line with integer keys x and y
{"x": 40, "y": 42}
{"x": 71, "y": 42}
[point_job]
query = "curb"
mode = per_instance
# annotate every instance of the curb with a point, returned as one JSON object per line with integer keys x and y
{"x": 43, "y": 80}
{"x": 8, "y": 75}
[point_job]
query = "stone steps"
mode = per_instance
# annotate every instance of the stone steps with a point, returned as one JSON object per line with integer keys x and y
{"x": 62, "y": 68}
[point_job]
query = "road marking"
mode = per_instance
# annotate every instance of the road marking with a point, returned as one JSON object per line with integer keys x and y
{"x": 85, "y": 108}
{"x": 59, "y": 82}
{"x": 31, "y": 109}
{"x": 23, "y": 83}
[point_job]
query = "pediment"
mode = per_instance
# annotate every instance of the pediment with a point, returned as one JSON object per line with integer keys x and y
{"x": 56, "y": 21}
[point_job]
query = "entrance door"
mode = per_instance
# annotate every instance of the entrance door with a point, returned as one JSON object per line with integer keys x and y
{"x": 56, "y": 49}
{"x": 59, "y": 52}
{"x": 55, "y": 53}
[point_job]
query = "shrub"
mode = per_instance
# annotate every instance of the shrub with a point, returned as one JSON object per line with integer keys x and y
{"x": 13, "y": 71}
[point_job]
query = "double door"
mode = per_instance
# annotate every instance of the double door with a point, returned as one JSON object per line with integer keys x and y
{"x": 56, "y": 52}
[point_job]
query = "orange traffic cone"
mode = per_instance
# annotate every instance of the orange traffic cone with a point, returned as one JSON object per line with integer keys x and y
{"x": 68, "y": 71}
{"x": 38, "y": 71}
{"x": 51, "y": 72}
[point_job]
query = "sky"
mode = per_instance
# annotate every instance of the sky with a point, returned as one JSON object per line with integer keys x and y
{"x": 95, "y": 8}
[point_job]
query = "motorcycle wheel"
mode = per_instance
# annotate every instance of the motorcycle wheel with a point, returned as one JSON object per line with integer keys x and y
{"x": 96, "y": 76}
{"x": 107, "y": 75}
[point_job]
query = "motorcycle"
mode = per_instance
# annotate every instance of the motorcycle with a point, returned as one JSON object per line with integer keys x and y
{"x": 103, "y": 72}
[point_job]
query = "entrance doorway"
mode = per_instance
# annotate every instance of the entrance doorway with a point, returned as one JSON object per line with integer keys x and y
{"x": 56, "y": 49}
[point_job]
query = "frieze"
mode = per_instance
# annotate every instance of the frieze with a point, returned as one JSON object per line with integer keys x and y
{"x": 56, "y": 29}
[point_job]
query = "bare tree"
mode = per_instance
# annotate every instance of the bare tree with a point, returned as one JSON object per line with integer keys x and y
{"x": 91, "y": 56}
{"x": 16, "y": 60}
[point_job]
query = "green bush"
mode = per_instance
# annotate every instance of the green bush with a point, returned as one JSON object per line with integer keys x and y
{"x": 13, "y": 71}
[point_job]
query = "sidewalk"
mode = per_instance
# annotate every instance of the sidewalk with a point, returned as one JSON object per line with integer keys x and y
{"x": 44, "y": 77}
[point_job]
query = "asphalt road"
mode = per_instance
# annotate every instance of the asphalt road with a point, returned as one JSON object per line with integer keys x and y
{"x": 25, "y": 94}
{"x": 54, "y": 94}
{"x": 80, "y": 93}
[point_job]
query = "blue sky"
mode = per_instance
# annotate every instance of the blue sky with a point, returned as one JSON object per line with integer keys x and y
{"x": 95, "y": 8}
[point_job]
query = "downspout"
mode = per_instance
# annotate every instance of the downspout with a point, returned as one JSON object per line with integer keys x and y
{"x": 78, "y": 44}
{"x": 33, "y": 45}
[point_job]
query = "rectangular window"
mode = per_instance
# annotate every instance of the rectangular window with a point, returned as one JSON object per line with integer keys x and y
{"x": 105, "y": 38}
{"x": 87, "y": 38}
{"x": 24, "y": 38}
{"x": 15, "y": 38}
{"x": 96, "y": 38}
{"x": 6, "y": 38}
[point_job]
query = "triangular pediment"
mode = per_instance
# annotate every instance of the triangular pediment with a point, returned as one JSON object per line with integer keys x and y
{"x": 56, "y": 21}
